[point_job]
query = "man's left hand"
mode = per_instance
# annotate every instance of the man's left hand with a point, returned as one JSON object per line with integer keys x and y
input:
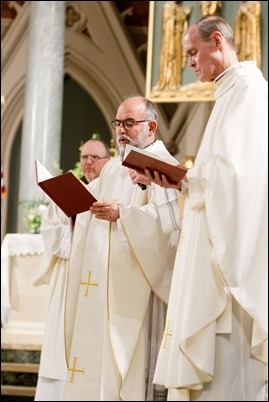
{"x": 107, "y": 210}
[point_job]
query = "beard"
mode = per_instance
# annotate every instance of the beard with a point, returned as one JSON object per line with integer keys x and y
{"x": 140, "y": 141}
{"x": 121, "y": 152}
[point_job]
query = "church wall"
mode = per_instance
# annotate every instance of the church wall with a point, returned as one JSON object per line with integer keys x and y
{"x": 106, "y": 68}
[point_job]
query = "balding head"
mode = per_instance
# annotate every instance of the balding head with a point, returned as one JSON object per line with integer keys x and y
{"x": 94, "y": 154}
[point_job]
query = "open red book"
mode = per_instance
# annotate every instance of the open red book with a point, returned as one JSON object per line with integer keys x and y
{"x": 140, "y": 159}
{"x": 68, "y": 192}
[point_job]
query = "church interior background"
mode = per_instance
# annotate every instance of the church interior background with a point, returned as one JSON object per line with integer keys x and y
{"x": 106, "y": 53}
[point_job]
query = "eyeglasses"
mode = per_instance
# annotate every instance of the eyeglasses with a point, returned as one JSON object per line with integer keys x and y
{"x": 127, "y": 123}
{"x": 93, "y": 158}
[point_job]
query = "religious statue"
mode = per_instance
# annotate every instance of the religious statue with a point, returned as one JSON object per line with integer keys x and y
{"x": 172, "y": 59}
{"x": 248, "y": 31}
{"x": 210, "y": 7}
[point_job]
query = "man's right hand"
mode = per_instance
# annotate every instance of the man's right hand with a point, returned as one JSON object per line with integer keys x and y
{"x": 161, "y": 179}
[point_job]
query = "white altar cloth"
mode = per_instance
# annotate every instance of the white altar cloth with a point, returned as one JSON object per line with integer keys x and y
{"x": 20, "y": 256}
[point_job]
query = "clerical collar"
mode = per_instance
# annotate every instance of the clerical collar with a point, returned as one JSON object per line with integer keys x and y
{"x": 150, "y": 144}
{"x": 225, "y": 72}
{"x": 220, "y": 76}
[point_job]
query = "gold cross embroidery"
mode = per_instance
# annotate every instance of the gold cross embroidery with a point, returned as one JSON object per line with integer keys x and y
{"x": 88, "y": 283}
{"x": 74, "y": 370}
{"x": 166, "y": 334}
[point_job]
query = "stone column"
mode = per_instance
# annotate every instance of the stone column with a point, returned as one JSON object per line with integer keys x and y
{"x": 42, "y": 120}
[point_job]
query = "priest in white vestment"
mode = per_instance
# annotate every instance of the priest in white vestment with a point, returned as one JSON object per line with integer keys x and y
{"x": 122, "y": 252}
{"x": 216, "y": 337}
{"x": 57, "y": 232}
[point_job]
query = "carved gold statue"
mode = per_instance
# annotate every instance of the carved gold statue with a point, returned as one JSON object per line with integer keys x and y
{"x": 210, "y": 7}
{"x": 248, "y": 31}
{"x": 172, "y": 60}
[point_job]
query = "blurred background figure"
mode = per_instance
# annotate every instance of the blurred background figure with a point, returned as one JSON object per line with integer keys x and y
{"x": 57, "y": 232}
{"x": 247, "y": 32}
{"x": 172, "y": 60}
{"x": 210, "y": 7}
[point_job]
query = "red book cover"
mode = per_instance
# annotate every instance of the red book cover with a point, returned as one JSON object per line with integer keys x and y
{"x": 140, "y": 159}
{"x": 66, "y": 190}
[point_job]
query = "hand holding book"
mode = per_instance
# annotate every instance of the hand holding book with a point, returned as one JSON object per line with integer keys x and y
{"x": 68, "y": 192}
{"x": 162, "y": 180}
{"x": 139, "y": 178}
{"x": 153, "y": 168}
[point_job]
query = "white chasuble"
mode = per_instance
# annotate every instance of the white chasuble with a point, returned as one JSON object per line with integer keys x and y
{"x": 216, "y": 338}
{"x": 109, "y": 288}
{"x": 57, "y": 236}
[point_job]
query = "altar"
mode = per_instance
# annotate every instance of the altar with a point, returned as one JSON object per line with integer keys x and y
{"x": 23, "y": 305}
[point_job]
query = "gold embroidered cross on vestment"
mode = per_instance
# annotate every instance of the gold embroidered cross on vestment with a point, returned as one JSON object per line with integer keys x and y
{"x": 88, "y": 283}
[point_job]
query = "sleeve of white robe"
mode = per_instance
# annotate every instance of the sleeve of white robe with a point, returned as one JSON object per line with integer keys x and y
{"x": 233, "y": 187}
{"x": 167, "y": 201}
{"x": 143, "y": 229}
{"x": 56, "y": 231}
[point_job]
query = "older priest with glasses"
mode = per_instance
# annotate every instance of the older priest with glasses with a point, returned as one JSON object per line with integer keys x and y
{"x": 120, "y": 273}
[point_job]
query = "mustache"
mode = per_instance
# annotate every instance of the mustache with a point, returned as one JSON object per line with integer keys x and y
{"x": 121, "y": 146}
{"x": 124, "y": 137}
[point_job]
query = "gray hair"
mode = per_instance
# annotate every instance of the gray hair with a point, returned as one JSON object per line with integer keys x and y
{"x": 209, "y": 24}
{"x": 151, "y": 110}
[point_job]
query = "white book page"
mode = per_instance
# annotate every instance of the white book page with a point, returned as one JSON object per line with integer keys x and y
{"x": 41, "y": 172}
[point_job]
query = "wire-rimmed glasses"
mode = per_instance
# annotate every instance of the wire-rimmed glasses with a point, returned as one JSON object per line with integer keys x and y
{"x": 93, "y": 158}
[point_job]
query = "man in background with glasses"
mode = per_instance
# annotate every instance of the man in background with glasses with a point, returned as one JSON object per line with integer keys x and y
{"x": 94, "y": 154}
{"x": 57, "y": 232}
{"x": 122, "y": 254}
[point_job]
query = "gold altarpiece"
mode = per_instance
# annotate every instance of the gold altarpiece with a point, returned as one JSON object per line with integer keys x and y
{"x": 168, "y": 77}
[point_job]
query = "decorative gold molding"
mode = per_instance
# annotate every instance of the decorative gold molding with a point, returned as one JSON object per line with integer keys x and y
{"x": 194, "y": 92}
{"x": 75, "y": 17}
{"x": 166, "y": 62}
